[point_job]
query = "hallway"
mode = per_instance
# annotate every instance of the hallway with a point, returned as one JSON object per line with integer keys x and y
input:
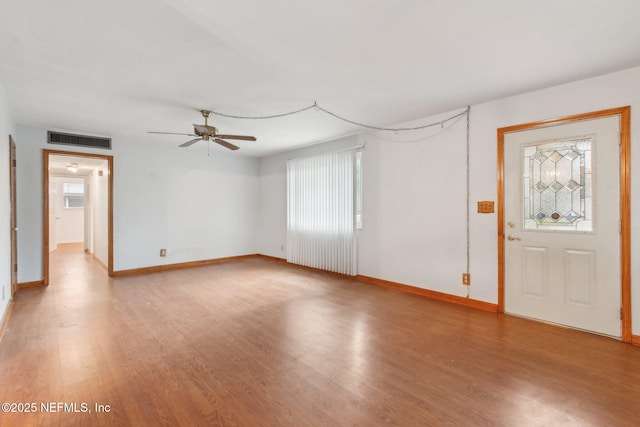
{"x": 71, "y": 266}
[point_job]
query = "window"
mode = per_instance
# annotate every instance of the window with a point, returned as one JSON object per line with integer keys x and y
{"x": 321, "y": 211}
{"x": 358, "y": 179}
{"x": 73, "y": 193}
{"x": 557, "y": 185}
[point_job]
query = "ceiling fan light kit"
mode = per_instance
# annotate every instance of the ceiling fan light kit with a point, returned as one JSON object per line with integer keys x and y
{"x": 209, "y": 133}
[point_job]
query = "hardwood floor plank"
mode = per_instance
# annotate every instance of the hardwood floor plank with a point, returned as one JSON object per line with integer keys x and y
{"x": 256, "y": 342}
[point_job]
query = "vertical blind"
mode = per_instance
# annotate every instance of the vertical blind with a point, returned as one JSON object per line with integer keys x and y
{"x": 320, "y": 212}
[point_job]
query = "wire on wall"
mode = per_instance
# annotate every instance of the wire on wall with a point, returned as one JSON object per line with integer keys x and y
{"x": 273, "y": 116}
{"x": 317, "y": 107}
{"x": 468, "y": 112}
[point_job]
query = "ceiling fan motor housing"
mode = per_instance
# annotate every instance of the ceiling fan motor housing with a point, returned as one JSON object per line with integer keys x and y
{"x": 205, "y": 130}
{"x": 210, "y": 133}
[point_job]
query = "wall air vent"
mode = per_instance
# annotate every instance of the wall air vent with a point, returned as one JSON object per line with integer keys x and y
{"x": 78, "y": 140}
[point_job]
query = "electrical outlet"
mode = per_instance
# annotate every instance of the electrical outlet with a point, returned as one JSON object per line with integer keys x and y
{"x": 282, "y": 247}
{"x": 163, "y": 252}
{"x": 466, "y": 279}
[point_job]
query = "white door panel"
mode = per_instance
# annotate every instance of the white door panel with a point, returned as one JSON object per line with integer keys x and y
{"x": 562, "y": 210}
{"x": 53, "y": 214}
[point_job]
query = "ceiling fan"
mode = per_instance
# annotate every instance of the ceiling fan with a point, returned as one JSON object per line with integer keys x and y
{"x": 209, "y": 133}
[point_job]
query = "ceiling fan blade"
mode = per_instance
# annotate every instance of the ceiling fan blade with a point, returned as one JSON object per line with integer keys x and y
{"x": 173, "y": 133}
{"x": 242, "y": 137}
{"x": 226, "y": 144}
{"x": 188, "y": 143}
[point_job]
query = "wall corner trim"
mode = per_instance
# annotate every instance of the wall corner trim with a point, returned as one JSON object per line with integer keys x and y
{"x": 165, "y": 267}
{"x": 272, "y": 258}
{"x": 487, "y": 306}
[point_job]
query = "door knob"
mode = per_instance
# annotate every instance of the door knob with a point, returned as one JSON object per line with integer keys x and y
{"x": 512, "y": 237}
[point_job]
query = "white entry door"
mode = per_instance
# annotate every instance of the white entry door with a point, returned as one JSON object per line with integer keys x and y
{"x": 562, "y": 224}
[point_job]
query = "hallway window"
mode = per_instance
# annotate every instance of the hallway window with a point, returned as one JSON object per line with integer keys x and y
{"x": 73, "y": 194}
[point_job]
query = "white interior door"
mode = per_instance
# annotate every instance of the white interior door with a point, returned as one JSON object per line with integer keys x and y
{"x": 53, "y": 214}
{"x": 88, "y": 215}
{"x": 562, "y": 219}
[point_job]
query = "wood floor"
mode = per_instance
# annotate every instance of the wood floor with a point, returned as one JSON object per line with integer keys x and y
{"x": 263, "y": 343}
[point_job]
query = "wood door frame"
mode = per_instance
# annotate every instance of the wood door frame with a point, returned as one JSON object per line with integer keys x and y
{"x": 45, "y": 198}
{"x": 624, "y": 113}
{"x": 14, "y": 217}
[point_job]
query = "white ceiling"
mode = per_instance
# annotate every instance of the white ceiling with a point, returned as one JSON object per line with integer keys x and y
{"x": 124, "y": 67}
{"x": 85, "y": 165}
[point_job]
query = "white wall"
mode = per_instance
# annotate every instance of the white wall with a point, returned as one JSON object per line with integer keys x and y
{"x": 415, "y": 194}
{"x": 414, "y": 197}
{"x": 6, "y": 128}
{"x": 197, "y": 207}
{"x": 71, "y": 220}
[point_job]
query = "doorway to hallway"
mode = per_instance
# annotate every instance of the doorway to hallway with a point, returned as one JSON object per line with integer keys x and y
{"x": 78, "y": 214}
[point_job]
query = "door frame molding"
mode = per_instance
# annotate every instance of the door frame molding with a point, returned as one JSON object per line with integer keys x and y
{"x": 45, "y": 215}
{"x": 624, "y": 113}
{"x": 13, "y": 220}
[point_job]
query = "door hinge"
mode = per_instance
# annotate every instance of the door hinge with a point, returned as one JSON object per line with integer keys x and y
{"x": 15, "y": 268}
{"x": 621, "y": 315}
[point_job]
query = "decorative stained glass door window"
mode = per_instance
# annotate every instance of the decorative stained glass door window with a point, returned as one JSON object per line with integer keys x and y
{"x": 557, "y": 185}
